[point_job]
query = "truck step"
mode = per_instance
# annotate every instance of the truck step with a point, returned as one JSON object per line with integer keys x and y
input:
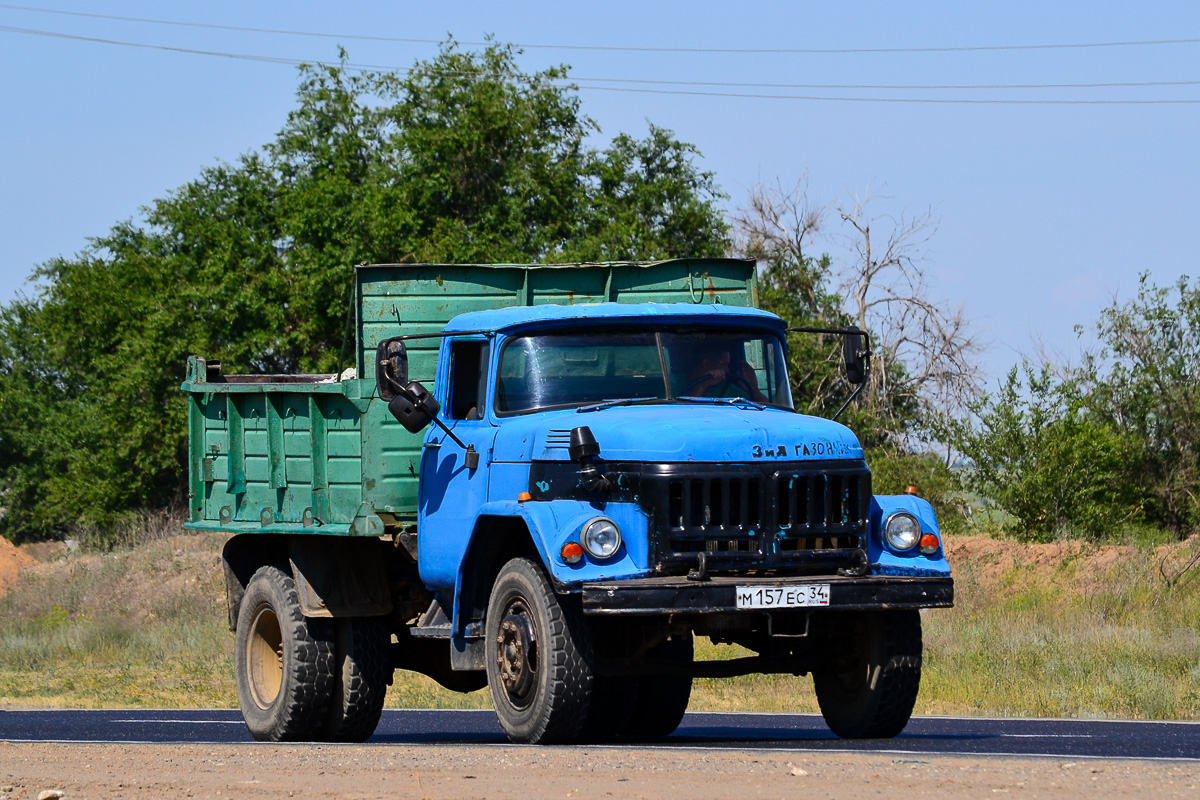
{"x": 474, "y": 631}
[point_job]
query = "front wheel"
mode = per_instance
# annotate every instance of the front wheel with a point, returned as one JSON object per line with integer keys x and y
{"x": 539, "y": 659}
{"x": 662, "y": 699}
{"x": 868, "y": 690}
{"x": 284, "y": 661}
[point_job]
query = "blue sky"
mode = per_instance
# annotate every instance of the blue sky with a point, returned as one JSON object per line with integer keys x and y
{"x": 1045, "y": 212}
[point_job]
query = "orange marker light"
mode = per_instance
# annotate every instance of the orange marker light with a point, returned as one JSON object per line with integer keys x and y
{"x": 929, "y": 544}
{"x": 572, "y": 552}
{"x": 910, "y": 490}
{"x": 524, "y": 497}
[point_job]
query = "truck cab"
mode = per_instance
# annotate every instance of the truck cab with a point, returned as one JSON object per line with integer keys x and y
{"x": 590, "y": 487}
{"x": 648, "y": 460}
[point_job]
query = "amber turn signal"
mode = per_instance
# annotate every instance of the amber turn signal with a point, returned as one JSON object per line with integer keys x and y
{"x": 524, "y": 497}
{"x": 572, "y": 552}
{"x": 929, "y": 544}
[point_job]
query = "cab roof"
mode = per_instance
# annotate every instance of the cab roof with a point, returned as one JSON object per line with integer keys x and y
{"x": 504, "y": 318}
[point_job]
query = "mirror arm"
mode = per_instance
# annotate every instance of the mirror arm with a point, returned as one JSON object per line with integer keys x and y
{"x": 399, "y": 387}
{"x": 849, "y": 400}
{"x": 404, "y": 337}
{"x": 471, "y": 457}
{"x": 445, "y": 429}
{"x": 838, "y": 332}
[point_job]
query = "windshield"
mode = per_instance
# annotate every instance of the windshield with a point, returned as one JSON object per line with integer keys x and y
{"x": 560, "y": 370}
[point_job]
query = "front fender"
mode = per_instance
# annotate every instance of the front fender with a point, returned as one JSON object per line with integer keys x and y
{"x": 883, "y": 560}
{"x": 553, "y": 523}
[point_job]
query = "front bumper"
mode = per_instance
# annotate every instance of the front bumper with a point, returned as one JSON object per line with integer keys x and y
{"x": 656, "y": 596}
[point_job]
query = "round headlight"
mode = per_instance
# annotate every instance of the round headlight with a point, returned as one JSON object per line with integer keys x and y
{"x": 601, "y": 537}
{"x": 902, "y": 531}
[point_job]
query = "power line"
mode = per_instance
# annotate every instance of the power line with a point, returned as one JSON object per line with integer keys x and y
{"x": 918, "y": 100}
{"x": 581, "y": 83}
{"x": 621, "y": 48}
{"x": 896, "y": 86}
{"x": 73, "y": 37}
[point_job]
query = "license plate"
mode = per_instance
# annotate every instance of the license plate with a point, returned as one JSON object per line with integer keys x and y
{"x": 811, "y": 594}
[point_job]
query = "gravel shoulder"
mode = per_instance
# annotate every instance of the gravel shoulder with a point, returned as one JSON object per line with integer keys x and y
{"x": 266, "y": 772}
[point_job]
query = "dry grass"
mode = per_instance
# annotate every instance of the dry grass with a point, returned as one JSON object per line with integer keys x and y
{"x": 1044, "y": 631}
{"x": 139, "y": 627}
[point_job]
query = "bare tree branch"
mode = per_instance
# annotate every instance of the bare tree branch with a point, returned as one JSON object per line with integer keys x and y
{"x": 925, "y": 350}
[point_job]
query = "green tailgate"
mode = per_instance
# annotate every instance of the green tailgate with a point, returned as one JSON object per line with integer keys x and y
{"x": 312, "y": 454}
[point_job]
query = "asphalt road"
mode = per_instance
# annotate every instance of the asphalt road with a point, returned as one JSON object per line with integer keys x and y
{"x": 788, "y": 732}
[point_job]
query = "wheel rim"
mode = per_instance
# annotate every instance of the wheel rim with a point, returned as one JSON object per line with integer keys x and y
{"x": 265, "y": 657}
{"x": 517, "y": 653}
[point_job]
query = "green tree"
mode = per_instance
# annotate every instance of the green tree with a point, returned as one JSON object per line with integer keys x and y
{"x": 1045, "y": 458}
{"x": 461, "y": 159}
{"x": 1111, "y": 443}
{"x": 1145, "y": 383}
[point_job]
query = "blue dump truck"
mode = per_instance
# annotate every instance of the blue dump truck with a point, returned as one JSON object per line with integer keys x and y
{"x": 548, "y": 480}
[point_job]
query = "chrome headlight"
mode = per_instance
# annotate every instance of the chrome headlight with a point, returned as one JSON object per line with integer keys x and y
{"x": 601, "y": 538}
{"x": 902, "y": 531}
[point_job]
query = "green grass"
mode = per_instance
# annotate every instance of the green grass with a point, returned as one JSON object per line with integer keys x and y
{"x": 1084, "y": 636}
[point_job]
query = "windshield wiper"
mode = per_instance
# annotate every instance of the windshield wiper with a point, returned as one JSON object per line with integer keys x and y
{"x": 639, "y": 401}
{"x": 629, "y": 401}
{"x": 729, "y": 401}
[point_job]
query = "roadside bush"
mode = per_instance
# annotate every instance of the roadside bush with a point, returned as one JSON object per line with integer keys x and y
{"x": 1040, "y": 454}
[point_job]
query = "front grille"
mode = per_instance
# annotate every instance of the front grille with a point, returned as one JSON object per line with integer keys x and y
{"x": 767, "y": 516}
{"x": 808, "y": 516}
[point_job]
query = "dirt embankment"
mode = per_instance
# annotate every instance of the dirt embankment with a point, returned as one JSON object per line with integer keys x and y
{"x": 989, "y": 558}
{"x": 986, "y": 557}
{"x": 12, "y": 561}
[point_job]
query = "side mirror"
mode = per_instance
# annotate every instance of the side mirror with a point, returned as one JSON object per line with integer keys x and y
{"x": 856, "y": 356}
{"x": 414, "y": 407}
{"x": 391, "y": 369}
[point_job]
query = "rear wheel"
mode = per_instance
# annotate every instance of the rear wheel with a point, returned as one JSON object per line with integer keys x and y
{"x": 662, "y": 700}
{"x": 363, "y": 670}
{"x": 284, "y": 661}
{"x": 868, "y": 691}
{"x": 539, "y": 659}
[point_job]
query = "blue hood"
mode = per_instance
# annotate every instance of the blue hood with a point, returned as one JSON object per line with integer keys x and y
{"x": 711, "y": 433}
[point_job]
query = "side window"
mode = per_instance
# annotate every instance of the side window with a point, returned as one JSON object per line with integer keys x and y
{"x": 468, "y": 379}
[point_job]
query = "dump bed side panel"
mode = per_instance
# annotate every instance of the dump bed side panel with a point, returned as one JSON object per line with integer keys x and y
{"x": 268, "y": 458}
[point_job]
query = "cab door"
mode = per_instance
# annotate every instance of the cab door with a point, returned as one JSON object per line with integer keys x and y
{"x": 451, "y": 494}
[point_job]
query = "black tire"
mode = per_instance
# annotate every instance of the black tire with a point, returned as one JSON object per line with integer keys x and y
{"x": 284, "y": 661}
{"x": 614, "y": 700}
{"x": 869, "y": 692}
{"x": 539, "y": 657}
{"x": 363, "y": 670}
{"x": 662, "y": 700}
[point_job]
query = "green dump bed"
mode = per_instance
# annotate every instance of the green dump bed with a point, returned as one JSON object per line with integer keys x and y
{"x": 320, "y": 454}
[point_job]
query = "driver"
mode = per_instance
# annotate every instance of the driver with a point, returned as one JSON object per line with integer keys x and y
{"x": 710, "y": 375}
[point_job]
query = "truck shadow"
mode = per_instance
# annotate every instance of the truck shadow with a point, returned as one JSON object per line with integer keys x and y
{"x": 481, "y": 727}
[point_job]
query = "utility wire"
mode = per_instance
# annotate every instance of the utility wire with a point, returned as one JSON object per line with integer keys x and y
{"x": 919, "y": 100}
{"x": 896, "y": 86}
{"x": 581, "y": 83}
{"x": 620, "y": 48}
